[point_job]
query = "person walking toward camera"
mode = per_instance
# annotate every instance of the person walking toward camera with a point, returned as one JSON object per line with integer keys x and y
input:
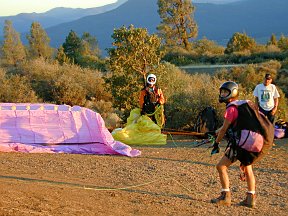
{"x": 266, "y": 97}
{"x": 242, "y": 123}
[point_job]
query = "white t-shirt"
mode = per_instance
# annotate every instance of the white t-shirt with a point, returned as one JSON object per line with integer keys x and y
{"x": 266, "y": 95}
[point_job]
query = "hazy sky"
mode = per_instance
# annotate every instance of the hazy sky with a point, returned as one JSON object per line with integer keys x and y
{"x": 13, "y": 7}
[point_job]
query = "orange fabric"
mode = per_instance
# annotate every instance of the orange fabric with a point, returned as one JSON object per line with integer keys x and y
{"x": 143, "y": 93}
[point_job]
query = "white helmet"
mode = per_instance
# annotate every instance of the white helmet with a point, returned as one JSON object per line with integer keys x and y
{"x": 151, "y": 79}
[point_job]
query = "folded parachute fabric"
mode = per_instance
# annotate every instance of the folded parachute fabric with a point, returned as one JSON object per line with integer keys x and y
{"x": 140, "y": 130}
{"x": 49, "y": 128}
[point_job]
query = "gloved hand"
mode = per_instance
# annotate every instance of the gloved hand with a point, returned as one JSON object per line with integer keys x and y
{"x": 216, "y": 148}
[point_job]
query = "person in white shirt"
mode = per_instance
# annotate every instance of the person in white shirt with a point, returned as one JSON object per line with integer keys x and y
{"x": 266, "y": 97}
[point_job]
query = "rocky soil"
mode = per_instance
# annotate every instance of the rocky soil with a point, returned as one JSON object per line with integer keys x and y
{"x": 175, "y": 179}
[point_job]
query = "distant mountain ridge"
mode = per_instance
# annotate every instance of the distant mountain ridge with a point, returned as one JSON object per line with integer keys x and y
{"x": 258, "y": 18}
{"x": 22, "y": 22}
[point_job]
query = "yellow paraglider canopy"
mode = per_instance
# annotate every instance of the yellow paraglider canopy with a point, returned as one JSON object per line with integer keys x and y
{"x": 141, "y": 130}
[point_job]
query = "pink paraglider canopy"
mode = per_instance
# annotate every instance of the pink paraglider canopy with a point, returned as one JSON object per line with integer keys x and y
{"x": 49, "y": 128}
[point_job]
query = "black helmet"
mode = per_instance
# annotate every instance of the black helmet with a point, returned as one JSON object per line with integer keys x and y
{"x": 230, "y": 86}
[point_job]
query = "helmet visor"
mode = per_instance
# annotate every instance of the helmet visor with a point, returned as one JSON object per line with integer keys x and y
{"x": 224, "y": 92}
{"x": 151, "y": 79}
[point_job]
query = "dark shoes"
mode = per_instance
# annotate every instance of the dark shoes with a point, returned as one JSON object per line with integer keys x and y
{"x": 250, "y": 201}
{"x": 223, "y": 199}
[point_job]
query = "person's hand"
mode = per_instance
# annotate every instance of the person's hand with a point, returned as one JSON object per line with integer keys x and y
{"x": 216, "y": 148}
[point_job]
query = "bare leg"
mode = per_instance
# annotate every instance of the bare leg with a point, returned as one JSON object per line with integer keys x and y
{"x": 222, "y": 168}
{"x": 250, "y": 178}
{"x": 250, "y": 200}
{"x": 225, "y": 197}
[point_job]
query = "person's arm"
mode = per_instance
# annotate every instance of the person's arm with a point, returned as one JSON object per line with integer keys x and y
{"x": 230, "y": 116}
{"x": 222, "y": 130}
{"x": 276, "y": 101}
{"x": 161, "y": 97}
{"x": 220, "y": 134}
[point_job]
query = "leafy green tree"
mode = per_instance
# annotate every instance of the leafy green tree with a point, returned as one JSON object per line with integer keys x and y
{"x": 240, "y": 43}
{"x": 73, "y": 47}
{"x": 134, "y": 54}
{"x": 177, "y": 27}
{"x": 13, "y": 49}
{"x": 283, "y": 43}
{"x": 39, "y": 42}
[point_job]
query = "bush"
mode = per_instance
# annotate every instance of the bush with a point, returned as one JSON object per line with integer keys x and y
{"x": 282, "y": 80}
{"x": 15, "y": 89}
{"x": 69, "y": 84}
{"x": 107, "y": 112}
{"x": 187, "y": 95}
{"x": 259, "y": 55}
{"x": 69, "y": 92}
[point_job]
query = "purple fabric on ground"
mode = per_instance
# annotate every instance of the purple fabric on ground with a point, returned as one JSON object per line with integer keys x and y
{"x": 49, "y": 128}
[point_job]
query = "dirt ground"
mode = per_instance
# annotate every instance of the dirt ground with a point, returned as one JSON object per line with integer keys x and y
{"x": 175, "y": 179}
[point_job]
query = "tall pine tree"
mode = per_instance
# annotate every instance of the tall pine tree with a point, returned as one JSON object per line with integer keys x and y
{"x": 13, "y": 49}
{"x": 39, "y": 42}
{"x": 177, "y": 27}
{"x": 73, "y": 47}
{"x": 90, "y": 45}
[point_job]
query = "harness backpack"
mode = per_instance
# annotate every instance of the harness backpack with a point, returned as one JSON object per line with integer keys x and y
{"x": 150, "y": 100}
{"x": 206, "y": 120}
{"x": 253, "y": 131}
